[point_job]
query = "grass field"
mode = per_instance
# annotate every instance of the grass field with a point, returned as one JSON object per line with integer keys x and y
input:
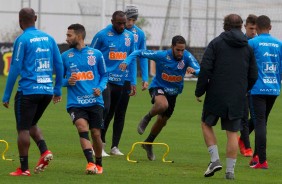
{"x": 182, "y": 134}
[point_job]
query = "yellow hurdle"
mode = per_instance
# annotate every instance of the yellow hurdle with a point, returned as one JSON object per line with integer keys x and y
{"x": 152, "y": 143}
{"x": 6, "y": 149}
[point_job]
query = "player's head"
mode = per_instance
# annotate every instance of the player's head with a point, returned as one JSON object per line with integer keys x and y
{"x": 131, "y": 12}
{"x": 178, "y": 45}
{"x": 263, "y": 24}
{"x": 75, "y": 35}
{"x": 250, "y": 26}
{"x": 119, "y": 21}
{"x": 27, "y": 18}
{"x": 232, "y": 21}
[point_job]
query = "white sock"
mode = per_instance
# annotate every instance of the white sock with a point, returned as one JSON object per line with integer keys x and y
{"x": 230, "y": 165}
{"x": 213, "y": 153}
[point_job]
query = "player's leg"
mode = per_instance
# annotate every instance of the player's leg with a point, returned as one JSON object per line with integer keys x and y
{"x": 45, "y": 155}
{"x": 24, "y": 120}
{"x": 160, "y": 105}
{"x": 95, "y": 125}
{"x": 120, "y": 118}
{"x": 208, "y": 121}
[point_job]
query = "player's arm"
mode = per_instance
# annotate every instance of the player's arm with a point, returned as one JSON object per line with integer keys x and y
{"x": 103, "y": 73}
{"x": 144, "y": 64}
{"x": 15, "y": 69}
{"x": 194, "y": 67}
{"x": 58, "y": 65}
{"x": 205, "y": 73}
{"x": 96, "y": 42}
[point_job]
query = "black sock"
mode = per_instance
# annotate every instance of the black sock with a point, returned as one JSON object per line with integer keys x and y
{"x": 88, "y": 155}
{"x": 99, "y": 161}
{"x": 42, "y": 146}
{"x": 150, "y": 138}
{"x": 24, "y": 163}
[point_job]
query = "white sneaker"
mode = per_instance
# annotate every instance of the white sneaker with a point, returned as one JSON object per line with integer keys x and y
{"x": 104, "y": 154}
{"x": 115, "y": 151}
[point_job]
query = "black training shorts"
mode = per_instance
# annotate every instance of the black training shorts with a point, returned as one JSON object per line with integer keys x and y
{"x": 171, "y": 99}
{"x": 29, "y": 109}
{"x": 93, "y": 115}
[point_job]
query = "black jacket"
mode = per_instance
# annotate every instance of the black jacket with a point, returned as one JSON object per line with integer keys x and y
{"x": 228, "y": 71}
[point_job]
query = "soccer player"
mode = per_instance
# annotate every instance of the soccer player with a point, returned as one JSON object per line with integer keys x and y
{"x": 140, "y": 43}
{"x": 248, "y": 127}
{"x": 171, "y": 67}
{"x": 116, "y": 43}
{"x": 35, "y": 56}
{"x": 85, "y": 78}
{"x": 228, "y": 71}
{"x": 268, "y": 54}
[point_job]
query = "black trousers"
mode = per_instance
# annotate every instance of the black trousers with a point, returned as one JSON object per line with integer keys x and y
{"x": 245, "y": 125}
{"x": 260, "y": 107}
{"x": 116, "y": 100}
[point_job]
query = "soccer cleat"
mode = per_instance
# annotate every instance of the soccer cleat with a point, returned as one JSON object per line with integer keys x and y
{"x": 99, "y": 169}
{"x": 149, "y": 150}
{"x": 143, "y": 124}
{"x": 229, "y": 176}
{"x": 254, "y": 160}
{"x": 19, "y": 172}
{"x": 264, "y": 165}
{"x": 115, "y": 151}
{"x": 43, "y": 162}
{"x": 91, "y": 168}
{"x": 212, "y": 168}
{"x": 248, "y": 152}
{"x": 241, "y": 146}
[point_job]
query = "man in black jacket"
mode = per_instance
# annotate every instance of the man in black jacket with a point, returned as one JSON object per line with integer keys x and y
{"x": 228, "y": 70}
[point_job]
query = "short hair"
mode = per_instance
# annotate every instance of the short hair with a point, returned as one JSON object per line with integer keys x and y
{"x": 263, "y": 22}
{"x": 232, "y": 21}
{"x": 78, "y": 29}
{"x": 27, "y": 15}
{"x": 251, "y": 19}
{"x": 178, "y": 40}
{"x": 118, "y": 14}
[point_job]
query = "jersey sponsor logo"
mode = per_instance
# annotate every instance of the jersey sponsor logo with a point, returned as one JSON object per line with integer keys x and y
{"x": 269, "y": 67}
{"x": 168, "y": 57}
{"x": 110, "y": 33}
{"x": 91, "y": 60}
{"x": 115, "y": 77}
{"x": 90, "y": 52}
{"x": 41, "y": 50}
{"x": 180, "y": 65}
{"x": 264, "y": 44}
{"x": 269, "y": 90}
{"x": 117, "y": 55}
{"x": 135, "y": 38}
{"x": 266, "y": 54}
{"x": 172, "y": 78}
{"x": 44, "y": 79}
{"x": 39, "y": 39}
{"x": 83, "y": 76}
{"x": 42, "y": 65}
{"x": 86, "y": 99}
{"x": 70, "y": 55}
{"x": 270, "y": 80}
{"x": 127, "y": 41}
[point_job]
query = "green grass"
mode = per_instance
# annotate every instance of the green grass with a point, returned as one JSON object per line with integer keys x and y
{"x": 182, "y": 134}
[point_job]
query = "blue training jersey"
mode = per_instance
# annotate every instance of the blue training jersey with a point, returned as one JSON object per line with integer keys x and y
{"x": 88, "y": 66}
{"x": 115, "y": 48}
{"x": 268, "y": 54}
{"x": 140, "y": 44}
{"x": 169, "y": 72}
{"x": 35, "y": 56}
